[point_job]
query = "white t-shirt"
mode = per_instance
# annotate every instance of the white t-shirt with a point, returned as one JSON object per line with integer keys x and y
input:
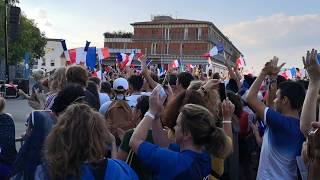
{"x": 103, "y": 97}
{"x": 132, "y": 100}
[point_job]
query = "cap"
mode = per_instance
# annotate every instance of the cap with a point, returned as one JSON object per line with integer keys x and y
{"x": 120, "y": 84}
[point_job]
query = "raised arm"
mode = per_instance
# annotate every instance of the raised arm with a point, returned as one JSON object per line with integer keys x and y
{"x": 140, "y": 133}
{"x": 146, "y": 74}
{"x": 308, "y": 114}
{"x": 270, "y": 68}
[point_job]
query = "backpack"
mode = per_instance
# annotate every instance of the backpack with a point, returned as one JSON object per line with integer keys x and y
{"x": 119, "y": 115}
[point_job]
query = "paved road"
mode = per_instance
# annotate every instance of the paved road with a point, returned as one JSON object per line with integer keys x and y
{"x": 20, "y": 111}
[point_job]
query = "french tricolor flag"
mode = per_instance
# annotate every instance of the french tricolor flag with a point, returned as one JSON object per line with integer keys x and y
{"x": 240, "y": 62}
{"x": 130, "y": 58}
{"x": 190, "y": 66}
{"x": 65, "y": 50}
{"x": 103, "y": 53}
{"x": 175, "y": 63}
{"x": 216, "y": 50}
{"x": 121, "y": 57}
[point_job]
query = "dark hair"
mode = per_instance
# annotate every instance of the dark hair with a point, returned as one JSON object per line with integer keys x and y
{"x": 184, "y": 78}
{"x": 248, "y": 79}
{"x": 171, "y": 111}
{"x": 172, "y": 79}
{"x": 236, "y": 100}
{"x": 304, "y": 83}
{"x": 216, "y": 76}
{"x": 136, "y": 82}
{"x": 143, "y": 104}
{"x": 232, "y": 86}
{"x": 92, "y": 87}
{"x": 77, "y": 74}
{"x": 106, "y": 87}
{"x": 294, "y": 92}
{"x": 200, "y": 123}
{"x": 280, "y": 79}
{"x": 95, "y": 80}
{"x": 71, "y": 93}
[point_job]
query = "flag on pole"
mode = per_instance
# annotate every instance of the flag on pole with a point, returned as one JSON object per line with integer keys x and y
{"x": 139, "y": 55}
{"x": 288, "y": 73}
{"x": 65, "y": 50}
{"x": 240, "y": 62}
{"x": 85, "y": 51}
{"x": 78, "y": 54}
{"x": 216, "y": 50}
{"x": 103, "y": 53}
{"x": 175, "y": 63}
{"x": 26, "y": 65}
{"x": 91, "y": 58}
{"x": 121, "y": 57}
{"x": 293, "y": 72}
{"x": 73, "y": 56}
{"x": 130, "y": 58}
{"x": 148, "y": 62}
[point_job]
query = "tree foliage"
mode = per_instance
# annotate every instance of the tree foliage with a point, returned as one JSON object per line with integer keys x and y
{"x": 29, "y": 38}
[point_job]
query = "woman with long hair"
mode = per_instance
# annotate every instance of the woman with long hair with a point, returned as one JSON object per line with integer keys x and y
{"x": 77, "y": 146}
{"x": 196, "y": 137}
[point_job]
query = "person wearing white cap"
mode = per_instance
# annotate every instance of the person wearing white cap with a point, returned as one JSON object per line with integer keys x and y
{"x": 120, "y": 87}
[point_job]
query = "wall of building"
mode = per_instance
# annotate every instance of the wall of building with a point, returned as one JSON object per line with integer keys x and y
{"x": 52, "y": 58}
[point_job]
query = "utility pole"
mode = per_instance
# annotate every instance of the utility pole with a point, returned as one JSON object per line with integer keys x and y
{"x": 6, "y": 42}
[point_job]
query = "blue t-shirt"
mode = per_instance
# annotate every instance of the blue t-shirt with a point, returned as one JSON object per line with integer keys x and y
{"x": 172, "y": 164}
{"x": 282, "y": 143}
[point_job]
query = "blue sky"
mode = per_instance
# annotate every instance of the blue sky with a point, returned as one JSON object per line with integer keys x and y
{"x": 260, "y": 29}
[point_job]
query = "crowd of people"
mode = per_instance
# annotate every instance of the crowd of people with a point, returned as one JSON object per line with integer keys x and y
{"x": 134, "y": 124}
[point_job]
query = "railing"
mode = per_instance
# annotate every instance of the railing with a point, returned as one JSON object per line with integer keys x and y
{"x": 19, "y": 140}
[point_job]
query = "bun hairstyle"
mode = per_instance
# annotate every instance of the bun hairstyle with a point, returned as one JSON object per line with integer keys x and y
{"x": 201, "y": 124}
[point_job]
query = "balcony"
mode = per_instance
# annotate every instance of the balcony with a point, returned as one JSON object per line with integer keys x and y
{"x": 172, "y": 37}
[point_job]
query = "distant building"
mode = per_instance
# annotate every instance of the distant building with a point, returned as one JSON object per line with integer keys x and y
{"x": 53, "y": 57}
{"x": 164, "y": 39}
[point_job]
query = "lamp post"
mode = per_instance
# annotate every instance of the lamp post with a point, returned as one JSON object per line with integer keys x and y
{"x": 6, "y": 42}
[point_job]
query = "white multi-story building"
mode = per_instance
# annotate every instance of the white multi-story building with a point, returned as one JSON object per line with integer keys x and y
{"x": 53, "y": 57}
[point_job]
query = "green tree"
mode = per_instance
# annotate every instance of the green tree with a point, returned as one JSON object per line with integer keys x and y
{"x": 29, "y": 39}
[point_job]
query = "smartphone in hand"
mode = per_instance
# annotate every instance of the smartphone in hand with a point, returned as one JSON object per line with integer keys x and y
{"x": 222, "y": 91}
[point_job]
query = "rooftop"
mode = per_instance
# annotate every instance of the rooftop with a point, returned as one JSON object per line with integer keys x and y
{"x": 163, "y": 20}
{"x": 169, "y": 20}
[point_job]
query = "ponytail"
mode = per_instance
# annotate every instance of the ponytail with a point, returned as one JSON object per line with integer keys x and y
{"x": 217, "y": 143}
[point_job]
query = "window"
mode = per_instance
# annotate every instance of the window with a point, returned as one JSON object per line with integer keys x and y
{"x": 199, "y": 33}
{"x": 167, "y": 48}
{"x": 154, "y": 48}
{"x": 43, "y": 62}
{"x": 52, "y": 62}
{"x": 181, "y": 48}
{"x": 167, "y": 34}
{"x": 185, "y": 37}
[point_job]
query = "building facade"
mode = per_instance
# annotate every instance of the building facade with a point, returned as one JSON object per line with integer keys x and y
{"x": 53, "y": 57}
{"x": 164, "y": 39}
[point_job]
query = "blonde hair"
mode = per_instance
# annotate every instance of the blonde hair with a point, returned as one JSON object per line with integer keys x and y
{"x": 38, "y": 74}
{"x": 58, "y": 80}
{"x": 195, "y": 85}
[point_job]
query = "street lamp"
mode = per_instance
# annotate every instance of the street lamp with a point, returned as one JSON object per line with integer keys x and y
{"x": 6, "y": 41}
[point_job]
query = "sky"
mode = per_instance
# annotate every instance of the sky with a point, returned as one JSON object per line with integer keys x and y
{"x": 259, "y": 29}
